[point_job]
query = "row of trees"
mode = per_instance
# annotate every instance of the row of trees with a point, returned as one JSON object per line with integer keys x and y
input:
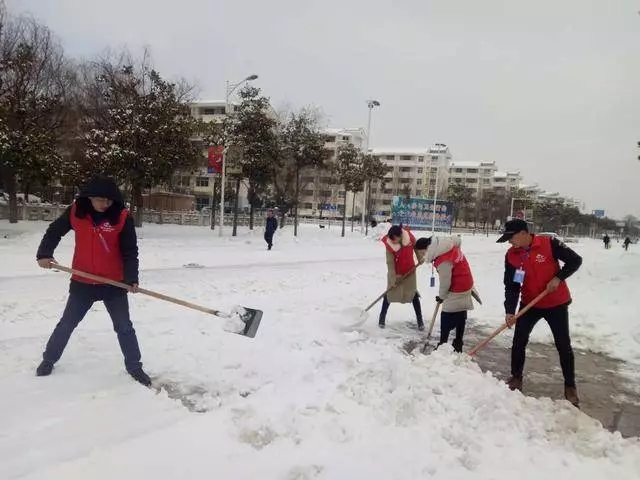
{"x": 116, "y": 115}
{"x": 490, "y": 206}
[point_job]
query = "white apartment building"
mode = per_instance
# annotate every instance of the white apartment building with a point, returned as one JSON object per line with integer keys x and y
{"x": 405, "y": 176}
{"x": 200, "y": 182}
{"x": 321, "y": 191}
{"x": 437, "y": 171}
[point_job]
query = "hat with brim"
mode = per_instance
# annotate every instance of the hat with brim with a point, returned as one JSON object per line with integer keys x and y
{"x": 512, "y": 228}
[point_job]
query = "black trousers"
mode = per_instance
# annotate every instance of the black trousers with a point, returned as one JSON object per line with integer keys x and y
{"x": 558, "y": 320}
{"x": 81, "y": 298}
{"x": 268, "y": 237}
{"x": 450, "y": 321}
{"x": 416, "y": 307}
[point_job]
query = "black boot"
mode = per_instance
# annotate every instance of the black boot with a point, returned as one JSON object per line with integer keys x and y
{"x": 381, "y": 321}
{"x": 140, "y": 376}
{"x": 457, "y": 345}
{"x": 44, "y": 369}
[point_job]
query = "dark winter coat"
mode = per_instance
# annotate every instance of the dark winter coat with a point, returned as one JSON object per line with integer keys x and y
{"x": 106, "y": 243}
{"x": 271, "y": 225}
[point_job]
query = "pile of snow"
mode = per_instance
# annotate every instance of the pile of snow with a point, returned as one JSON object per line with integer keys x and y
{"x": 302, "y": 400}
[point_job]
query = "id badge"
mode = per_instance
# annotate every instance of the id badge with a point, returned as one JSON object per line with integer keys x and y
{"x": 518, "y": 276}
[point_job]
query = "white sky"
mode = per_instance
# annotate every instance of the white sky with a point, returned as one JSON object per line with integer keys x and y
{"x": 550, "y": 88}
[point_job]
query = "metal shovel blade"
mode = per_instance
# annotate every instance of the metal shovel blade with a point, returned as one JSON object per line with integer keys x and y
{"x": 251, "y": 318}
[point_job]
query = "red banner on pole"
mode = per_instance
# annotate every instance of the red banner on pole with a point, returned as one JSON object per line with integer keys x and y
{"x": 215, "y": 157}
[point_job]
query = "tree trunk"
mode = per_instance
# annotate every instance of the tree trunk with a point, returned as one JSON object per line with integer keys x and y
{"x": 251, "y": 211}
{"x": 367, "y": 207}
{"x": 13, "y": 197}
{"x": 297, "y": 200}
{"x": 213, "y": 203}
{"x": 353, "y": 209}
{"x": 344, "y": 213}
{"x": 235, "y": 208}
{"x": 137, "y": 202}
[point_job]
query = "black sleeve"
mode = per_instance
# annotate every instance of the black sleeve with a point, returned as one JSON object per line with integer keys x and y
{"x": 57, "y": 229}
{"x": 572, "y": 261}
{"x": 129, "y": 249}
{"x": 511, "y": 289}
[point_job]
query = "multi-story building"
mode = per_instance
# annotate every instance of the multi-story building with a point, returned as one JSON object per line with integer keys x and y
{"x": 436, "y": 171}
{"x": 321, "y": 192}
{"x": 200, "y": 182}
{"x": 405, "y": 176}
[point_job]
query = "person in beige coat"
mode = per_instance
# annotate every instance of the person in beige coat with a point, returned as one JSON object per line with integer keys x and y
{"x": 457, "y": 290}
{"x": 401, "y": 260}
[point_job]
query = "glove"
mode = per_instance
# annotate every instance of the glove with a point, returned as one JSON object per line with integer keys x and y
{"x": 439, "y": 300}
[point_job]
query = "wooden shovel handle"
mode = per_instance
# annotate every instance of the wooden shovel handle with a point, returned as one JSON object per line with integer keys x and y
{"x": 497, "y": 332}
{"x": 150, "y": 293}
{"x": 398, "y": 282}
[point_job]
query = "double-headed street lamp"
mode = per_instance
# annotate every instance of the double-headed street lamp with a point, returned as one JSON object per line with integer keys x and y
{"x": 371, "y": 104}
{"x": 230, "y": 88}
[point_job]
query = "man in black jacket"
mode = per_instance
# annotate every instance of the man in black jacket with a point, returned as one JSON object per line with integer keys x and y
{"x": 532, "y": 268}
{"x": 106, "y": 245}
{"x": 270, "y": 228}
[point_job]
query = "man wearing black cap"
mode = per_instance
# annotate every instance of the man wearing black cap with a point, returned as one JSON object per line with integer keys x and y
{"x": 105, "y": 245}
{"x": 531, "y": 268}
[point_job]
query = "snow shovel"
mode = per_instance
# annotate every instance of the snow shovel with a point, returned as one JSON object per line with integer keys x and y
{"x": 364, "y": 315}
{"x": 433, "y": 321}
{"x": 497, "y": 332}
{"x": 249, "y": 316}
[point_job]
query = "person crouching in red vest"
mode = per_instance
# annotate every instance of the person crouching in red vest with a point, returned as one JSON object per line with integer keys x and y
{"x": 400, "y": 248}
{"x": 456, "y": 291}
{"x": 105, "y": 245}
{"x": 531, "y": 267}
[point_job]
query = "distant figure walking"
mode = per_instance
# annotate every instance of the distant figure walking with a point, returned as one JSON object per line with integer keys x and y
{"x": 607, "y": 241}
{"x": 626, "y": 243}
{"x": 270, "y": 228}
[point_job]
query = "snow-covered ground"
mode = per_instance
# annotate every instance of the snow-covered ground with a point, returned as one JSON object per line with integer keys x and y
{"x": 304, "y": 399}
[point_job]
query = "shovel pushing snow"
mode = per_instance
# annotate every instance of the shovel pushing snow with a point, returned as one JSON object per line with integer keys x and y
{"x": 251, "y": 317}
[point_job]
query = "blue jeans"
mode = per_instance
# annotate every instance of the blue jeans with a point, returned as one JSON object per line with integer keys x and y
{"x": 81, "y": 298}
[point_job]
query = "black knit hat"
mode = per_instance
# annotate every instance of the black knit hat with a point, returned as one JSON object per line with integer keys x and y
{"x": 423, "y": 243}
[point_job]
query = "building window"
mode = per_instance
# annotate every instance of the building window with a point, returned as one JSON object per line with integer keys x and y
{"x": 307, "y": 206}
{"x": 183, "y": 181}
{"x": 405, "y": 157}
{"x": 419, "y": 182}
{"x": 345, "y": 138}
{"x": 405, "y": 169}
{"x": 307, "y": 193}
{"x": 472, "y": 170}
{"x": 421, "y": 159}
{"x": 330, "y": 139}
{"x": 202, "y": 182}
{"x": 325, "y": 193}
{"x": 419, "y": 170}
{"x": 472, "y": 180}
{"x": 390, "y": 157}
{"x": 486, "y": 181}
{"x": 213, "y": 111}
{"x": 434, "y": 158}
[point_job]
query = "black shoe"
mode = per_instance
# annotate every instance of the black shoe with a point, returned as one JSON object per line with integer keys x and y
{"x": 420, "y": 325}
{"x": 381, "y": 321}
{"x": 44, "y": 369}
{"x": 140, "y": 376}
{"x": 457, "y": 346}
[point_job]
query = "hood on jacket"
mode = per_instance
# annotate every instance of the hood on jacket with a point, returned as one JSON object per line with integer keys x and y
{"x": 441, "y": 245}
{"x": 100, "y": 187}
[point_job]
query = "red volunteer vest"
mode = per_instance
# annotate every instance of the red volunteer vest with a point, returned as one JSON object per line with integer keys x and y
{"x": 97, "y": 248}
{"x": 403, "y": 257}
{"x": 461, "y": 277}
{"x": 539, "y": 268}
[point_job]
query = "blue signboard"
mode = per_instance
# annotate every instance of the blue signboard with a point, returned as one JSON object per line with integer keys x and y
{"x": 598, "y": 213}
{"x": 418, "y": 213}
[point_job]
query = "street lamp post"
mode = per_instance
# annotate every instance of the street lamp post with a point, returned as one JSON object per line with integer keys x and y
{"x": 230, "y": 88}
{"x": 371, "y": 104}
{"x": 435, "y": 199}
